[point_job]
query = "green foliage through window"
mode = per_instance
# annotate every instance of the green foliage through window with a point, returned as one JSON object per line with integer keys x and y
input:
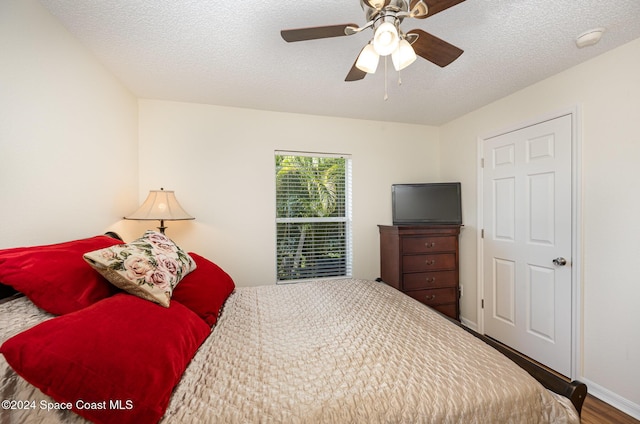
{"x": 312, "y": 216}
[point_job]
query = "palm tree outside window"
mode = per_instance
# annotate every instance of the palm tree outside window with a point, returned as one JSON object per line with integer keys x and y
{"x": 313, "y": 216}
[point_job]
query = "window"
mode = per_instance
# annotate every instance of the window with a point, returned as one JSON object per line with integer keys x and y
{"x": 313, "y": 215}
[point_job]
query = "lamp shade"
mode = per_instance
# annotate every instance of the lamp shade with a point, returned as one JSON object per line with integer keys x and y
{"x": 160, "y": 205}
{"x": 385, "y": 39}
{"x": 368, "y": 60}
{"x": 403, "y": 56}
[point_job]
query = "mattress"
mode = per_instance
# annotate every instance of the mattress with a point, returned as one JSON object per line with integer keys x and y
{"x": 335, "y": 351}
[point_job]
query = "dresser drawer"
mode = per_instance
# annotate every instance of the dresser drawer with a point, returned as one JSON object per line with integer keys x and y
{"x": 428, "y": 244}
{"x": 434, "y": 296}
{"x": 436, "y": 262}
{"x": 429, "y": 280}
{"x": 422, "y": 261}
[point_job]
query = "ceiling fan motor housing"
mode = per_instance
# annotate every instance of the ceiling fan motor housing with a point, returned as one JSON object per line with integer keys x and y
{"x": 394, "y": 6}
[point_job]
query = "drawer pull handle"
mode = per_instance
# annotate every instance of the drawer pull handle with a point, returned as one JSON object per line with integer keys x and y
{"x": 430, "y": 245}
{"x": 431, "y": 297}
{"x": 430, "y": 262}
{"x": 431, "y": 279}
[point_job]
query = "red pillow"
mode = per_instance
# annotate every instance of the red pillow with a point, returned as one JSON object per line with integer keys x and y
{"x": 204, "y": 290}
{"x": 55, "y": 277}
{"x": 116, "y": 361}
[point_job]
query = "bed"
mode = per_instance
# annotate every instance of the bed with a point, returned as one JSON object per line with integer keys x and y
{"x": 331, "y": 351}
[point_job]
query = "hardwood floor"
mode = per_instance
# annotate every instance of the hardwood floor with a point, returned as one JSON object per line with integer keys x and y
{"x": 595, "y": 411}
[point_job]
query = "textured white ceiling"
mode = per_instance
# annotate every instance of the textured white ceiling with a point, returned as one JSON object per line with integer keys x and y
{"x": 231, "y": 53}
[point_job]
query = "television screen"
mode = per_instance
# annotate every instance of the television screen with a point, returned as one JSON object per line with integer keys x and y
{"x": 426, "y": 203}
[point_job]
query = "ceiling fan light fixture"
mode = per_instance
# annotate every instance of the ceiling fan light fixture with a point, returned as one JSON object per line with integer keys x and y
{"x": 368, "y": 60}
{"x": 386, "y": 39}
{"x": 384, "y": 18}
{"x": 403, "y": 56}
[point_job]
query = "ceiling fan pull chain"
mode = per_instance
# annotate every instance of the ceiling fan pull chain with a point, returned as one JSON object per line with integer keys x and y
{"x": 386, "y": 95}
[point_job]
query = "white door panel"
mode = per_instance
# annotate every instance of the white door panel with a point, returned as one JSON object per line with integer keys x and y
{"x": 504, "y": 291}
{"x": 527, "y": 223}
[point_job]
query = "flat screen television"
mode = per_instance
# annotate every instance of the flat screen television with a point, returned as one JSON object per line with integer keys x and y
{"x": 426, "y": 203}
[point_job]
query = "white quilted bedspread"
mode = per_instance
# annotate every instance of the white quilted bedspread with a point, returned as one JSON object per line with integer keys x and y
{"x": 344, "y": 351}
{"x": 351, "y": 351}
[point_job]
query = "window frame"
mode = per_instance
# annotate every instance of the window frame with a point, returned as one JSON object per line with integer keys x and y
{"x": 346, "y": 218}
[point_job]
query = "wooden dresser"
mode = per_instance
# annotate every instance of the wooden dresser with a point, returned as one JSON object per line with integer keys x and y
{"x": 422, "y": 261}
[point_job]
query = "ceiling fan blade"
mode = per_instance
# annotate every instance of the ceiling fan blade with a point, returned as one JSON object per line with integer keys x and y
{"x": 437, "y": 6}
{"x": 434, "y": 49}
{"x": 418, "y": 9}
{"x": 355, "y": 73}
{"x": 377, "y": 4}
{"x": 314, "y": 33}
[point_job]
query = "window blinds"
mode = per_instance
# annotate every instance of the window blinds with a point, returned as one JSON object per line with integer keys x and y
{"x": 313, "y": 216}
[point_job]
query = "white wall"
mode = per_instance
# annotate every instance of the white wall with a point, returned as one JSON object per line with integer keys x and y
{"x": 69, "y": 168}
{"x": 68, "y": 130}
{"x": 220, "y": 161}
{"x": 607, "y": 91}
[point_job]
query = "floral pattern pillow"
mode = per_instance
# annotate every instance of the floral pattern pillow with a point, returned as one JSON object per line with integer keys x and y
{"x": 149, "y": 267}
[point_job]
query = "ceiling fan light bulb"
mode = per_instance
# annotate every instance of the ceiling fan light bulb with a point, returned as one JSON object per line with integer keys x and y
{"x": 385, "y": 39}
{"x": 403, "y": 56}
{"x": 368, "y": 60}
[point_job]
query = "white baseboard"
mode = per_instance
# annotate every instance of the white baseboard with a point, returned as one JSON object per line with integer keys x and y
{"x": 469, "y": 324}
{"x": 612, "y": 398}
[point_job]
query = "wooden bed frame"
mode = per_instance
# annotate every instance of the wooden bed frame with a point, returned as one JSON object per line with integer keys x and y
{"x": 575, "y": 391}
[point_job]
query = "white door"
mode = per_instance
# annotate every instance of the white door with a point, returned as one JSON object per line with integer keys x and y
{"x": 527, "y": 241}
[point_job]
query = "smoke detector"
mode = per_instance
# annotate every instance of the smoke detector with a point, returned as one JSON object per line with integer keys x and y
{"x": 589, "y": 38}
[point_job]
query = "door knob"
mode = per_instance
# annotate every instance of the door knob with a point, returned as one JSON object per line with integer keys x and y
{"x": 560, "y": 261}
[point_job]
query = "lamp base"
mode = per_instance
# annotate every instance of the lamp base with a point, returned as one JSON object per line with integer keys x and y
{"x": 162, "y": 227}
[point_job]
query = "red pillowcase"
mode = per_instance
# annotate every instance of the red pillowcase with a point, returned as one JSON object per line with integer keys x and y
{"x": 55, "y": 277}
{"x": 205, "y": 289}
{"x": 114, "y": 362}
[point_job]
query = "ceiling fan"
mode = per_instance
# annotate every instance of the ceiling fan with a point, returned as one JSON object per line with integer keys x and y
{"x": 385, "y": 17}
